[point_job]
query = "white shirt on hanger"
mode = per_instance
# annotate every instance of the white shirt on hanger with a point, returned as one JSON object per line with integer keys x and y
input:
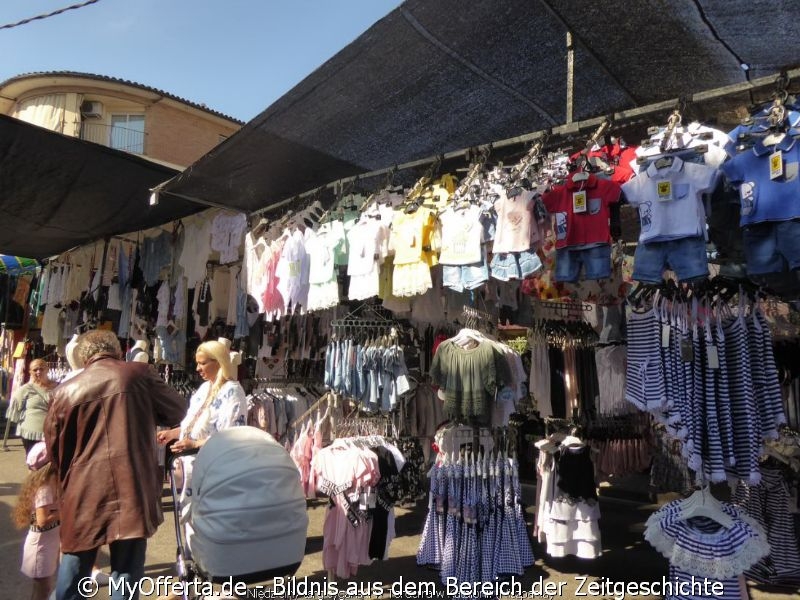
{"x": 195, "y": 253}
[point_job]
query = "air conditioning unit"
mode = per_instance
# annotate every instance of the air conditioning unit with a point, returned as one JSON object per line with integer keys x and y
{"x": 91, "y": 109}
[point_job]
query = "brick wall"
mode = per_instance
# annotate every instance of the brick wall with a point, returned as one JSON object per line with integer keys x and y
{"x": 179, "y": 137}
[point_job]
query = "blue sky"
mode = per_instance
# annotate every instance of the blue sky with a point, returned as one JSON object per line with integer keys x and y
{"x": 235, "y": 56}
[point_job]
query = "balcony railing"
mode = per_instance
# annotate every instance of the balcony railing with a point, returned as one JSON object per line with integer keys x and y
{"x": 120, "y": 138}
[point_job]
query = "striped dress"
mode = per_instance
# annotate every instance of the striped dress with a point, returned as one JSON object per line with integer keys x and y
{"x": 645, "y": 387}
{"x": 746, "y": 422}
{"x": 769, "y": 504}
{"x": 703, "y": 548}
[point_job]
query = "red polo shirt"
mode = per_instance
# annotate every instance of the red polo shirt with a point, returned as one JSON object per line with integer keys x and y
{"x": 588, "y": 226}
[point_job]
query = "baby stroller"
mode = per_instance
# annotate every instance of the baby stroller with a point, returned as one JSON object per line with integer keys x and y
{"x": 247, "y": 516}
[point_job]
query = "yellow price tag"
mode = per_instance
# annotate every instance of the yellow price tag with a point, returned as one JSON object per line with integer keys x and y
{"x": 776, "y": 165}
{"x": 579, "y": 202}
{"x": 664, "y": 190}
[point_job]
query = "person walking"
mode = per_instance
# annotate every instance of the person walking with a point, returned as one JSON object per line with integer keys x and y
{"x": 31, "y": 401}
{"x": 37, "y": 511}
{"x": 100, "y": 433}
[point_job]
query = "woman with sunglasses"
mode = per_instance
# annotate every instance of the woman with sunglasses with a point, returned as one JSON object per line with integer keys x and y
{"x": 31, "y": 401}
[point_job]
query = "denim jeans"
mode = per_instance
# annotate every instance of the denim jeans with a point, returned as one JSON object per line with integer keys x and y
{"x": 127, "y": 567}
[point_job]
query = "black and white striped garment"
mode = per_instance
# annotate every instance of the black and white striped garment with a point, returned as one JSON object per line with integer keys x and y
{"x": 675, "y": 421}
{"x": 723, "y": 397}
{"x": 713, "y": 454}
{"x": 768, "y": 504}
{"x": 761, "y": 379}
{"x": 772, "y": 387}
{"x": 644, "y": 384}
{"x": 746, "y": 424}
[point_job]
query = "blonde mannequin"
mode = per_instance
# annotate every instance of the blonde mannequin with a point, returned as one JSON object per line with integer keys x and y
{"x": 72, "y": 356}
{"x": 139, "y": 352}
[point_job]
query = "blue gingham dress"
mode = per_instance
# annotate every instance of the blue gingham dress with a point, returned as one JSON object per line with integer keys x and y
{"x": 452, "y": 535}
{"x": 468, "y": 562}
{"x": 523, "y": 539}
{"x": 430, "y": 545}
{"x": 506, "y": 549}
{"x": 490, "y": 512}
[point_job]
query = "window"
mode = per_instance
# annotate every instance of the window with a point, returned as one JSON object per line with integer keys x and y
{"x": 127, "y": 133}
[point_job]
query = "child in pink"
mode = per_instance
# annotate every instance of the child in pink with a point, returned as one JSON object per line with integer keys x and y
{"x": 37, "y": 509}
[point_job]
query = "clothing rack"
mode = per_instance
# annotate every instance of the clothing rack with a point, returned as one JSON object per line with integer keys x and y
{"x": 567, "y": 310}
{"x": 317, "y": 403}
{"x": 475, "y": 319}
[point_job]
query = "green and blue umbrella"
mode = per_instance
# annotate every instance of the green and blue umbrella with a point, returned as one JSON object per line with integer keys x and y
{"x": 14, "y": 265}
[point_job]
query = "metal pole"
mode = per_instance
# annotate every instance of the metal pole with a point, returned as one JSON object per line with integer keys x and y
{"x": 570, "y": 76}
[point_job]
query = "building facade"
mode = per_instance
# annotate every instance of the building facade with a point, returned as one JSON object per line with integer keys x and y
{"x": 120, "y": 114}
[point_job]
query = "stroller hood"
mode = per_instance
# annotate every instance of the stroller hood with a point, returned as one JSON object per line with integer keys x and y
{"x": 248, "y": 512}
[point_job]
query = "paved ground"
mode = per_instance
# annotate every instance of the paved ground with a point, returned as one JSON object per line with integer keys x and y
{"x": 626, "y": 556}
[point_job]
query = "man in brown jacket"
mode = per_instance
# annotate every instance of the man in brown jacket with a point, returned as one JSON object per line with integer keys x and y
{"x": 100, "y": 430}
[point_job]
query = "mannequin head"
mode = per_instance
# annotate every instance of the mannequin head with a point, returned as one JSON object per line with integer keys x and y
{"x": 72, "y": 353}
{"x": 142, "y": 355}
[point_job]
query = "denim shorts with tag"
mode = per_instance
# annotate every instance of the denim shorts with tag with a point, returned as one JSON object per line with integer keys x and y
{"x": 465, "y": 277}
{"x": 686, "y": 257}
{"x": 772, "y": 247}
{"x": 516, "y": 265}
{"x": 596, "y": 263}
{"x": 504, "y": 267}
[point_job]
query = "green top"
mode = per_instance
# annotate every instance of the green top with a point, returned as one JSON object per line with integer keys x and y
{"x": 32, "y": 402}
{"x": 469, "y": 378}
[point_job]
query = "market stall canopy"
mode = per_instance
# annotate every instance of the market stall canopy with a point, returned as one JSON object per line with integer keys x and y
{"x": 58, "y": 192}
{"x": 435, "y": 77}
{"x": 14, "y": 265}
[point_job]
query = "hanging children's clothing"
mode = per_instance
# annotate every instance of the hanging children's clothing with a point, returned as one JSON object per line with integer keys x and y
{"x": 672, "y": 214}
{"x": 581, "y": 208}
{"x": 325, "y": 251}
{"x": 568, "y": 510}
{"x": 769, "y": 504}
{"x": 226, "y": 235}
{"x": 348, "y": 471}
{"x": 719, "y": 548}
{"x": 368, "y": 246}
{"x": 415, "y": 245}
{"x": 710, "y": 378}
{"x": 475, "y": 528}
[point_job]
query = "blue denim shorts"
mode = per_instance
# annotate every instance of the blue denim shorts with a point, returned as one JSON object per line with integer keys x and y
{"x": 465, "y": 277}
{"x": 504, "y": 267}
{"x": 529, "y": 264}
{"x": 772, "y": 247}
{"x": 596, "y": 263}
{"x": 686, "y": 256}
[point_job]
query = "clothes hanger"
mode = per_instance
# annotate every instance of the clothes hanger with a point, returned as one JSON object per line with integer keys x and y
{"x": 703, "y": 504}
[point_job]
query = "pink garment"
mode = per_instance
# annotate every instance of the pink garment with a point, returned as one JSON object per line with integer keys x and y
{"x": 316, "y": 446}
{"x": 301, "y": 455}
{"x": 343, "y": 472}
{"x": 41, "y": 550}
{"x": 272, "y": 300}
